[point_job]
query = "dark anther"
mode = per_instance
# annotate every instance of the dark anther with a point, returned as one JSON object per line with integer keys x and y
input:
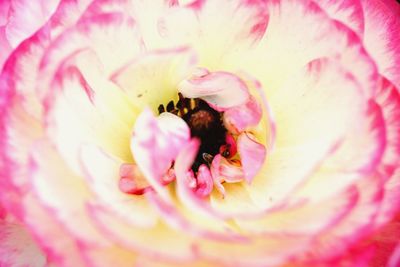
{"x": 170, "y": 106}
{"x": 161, "y": 109}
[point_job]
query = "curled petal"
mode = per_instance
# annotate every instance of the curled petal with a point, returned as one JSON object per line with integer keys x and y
{"x": 224, "y": 170}
{"x": 184, "y": 189}
{"x": 216, "y": 174}
{"x": 252, "y": 155}
{"x": 204, "y": 181}
{"x": 222, "y": 90}
{"x": 175, "y": 129}
{"x": 237, "y": 119}
{"x": 155, "y": 143}
{"x": 132, "y": 181}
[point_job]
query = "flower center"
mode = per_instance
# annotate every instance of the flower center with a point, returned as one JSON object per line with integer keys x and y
{"x": 204, "y": 122}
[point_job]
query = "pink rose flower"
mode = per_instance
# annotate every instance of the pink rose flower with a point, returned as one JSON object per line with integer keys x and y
{"x": 200, "y": 133}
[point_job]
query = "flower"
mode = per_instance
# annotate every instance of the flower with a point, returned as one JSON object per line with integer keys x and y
{"x": 238, "y": 133}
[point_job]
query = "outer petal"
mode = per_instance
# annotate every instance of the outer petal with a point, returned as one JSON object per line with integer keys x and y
{"x": 17, "y": 248}
{"x": 278, "y": 56}
{"x": 26, "y": 17}
{"x": 231, "y": 26}
{"x": 102, "y": 174}
{"x": 388, "y": 98}
{"x": 395, "y": 258}
{"x": 381, "y": 38}
{"x": 349, "y": 12}
{"x": 54, "y": 183}
{"x": 305, "y": 134}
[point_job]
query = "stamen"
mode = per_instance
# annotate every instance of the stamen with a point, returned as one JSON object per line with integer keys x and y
{"x": 161, "y": 109}
{"x": 170, "y": 106}
{"x": 208, "y": 158}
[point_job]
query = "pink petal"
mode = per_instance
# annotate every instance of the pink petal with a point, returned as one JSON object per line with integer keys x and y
{"x": 42, "y": 224}
{"x": 277, "y": 56}
{"x": 204, "y": 181}
{"x": 349, "y": 12}
{"x": 381, "y": 37}
{"x": 18, "y": 249}
{"x": 222, "y": 90}
{"x": 394, "y": 6}
{"x": 132, "y": 181}
{"x": 4, "y": 9}
{"x": 82, "y": 99}
{"x": 252, "y": 155}
{"x": 182, "y": 164}
{"x": 215, "y": 172}
{"x": 356, "y": 225}
{"x": 156, "y": 142}
{"x": 388, "y": 98}
{"x": 4, "y": 47}
{"x": 223, "y": 170}
{"x": 102, "y": 172}
{"x": 238, "y": 119}
{"x": 395, "y": 258}
{"x": 26, "y": 17}
{"x": 98, "y": 34}
{"x": 55, "y": 193}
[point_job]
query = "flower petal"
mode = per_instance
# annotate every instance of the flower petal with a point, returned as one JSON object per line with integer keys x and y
{"x": 252, "y": 155}
{"x": 395, "y": 258}
{"x": 25, "y": 17}
{"x": 156, "y": 142}
{"x": 90, "y": 105}
{"x": 204, "y": 181}
{"x": 310, "y": 126}
{"x": 160, "y": 71}
{"x": 55, "y": 194}
{"x": 381, "y": 38}
{"x": 231, "y": 26}
{"x": 132, "y": 181}
{"x": 349, "y": 12}
{"x": 228, "y": 172}
{"x": 221, "y": 90}
{"x": 278, "y": 56}
{"x": 102, "y": 173}
{"x": 17, "y": 248}
{"x": 239, "y": 118}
